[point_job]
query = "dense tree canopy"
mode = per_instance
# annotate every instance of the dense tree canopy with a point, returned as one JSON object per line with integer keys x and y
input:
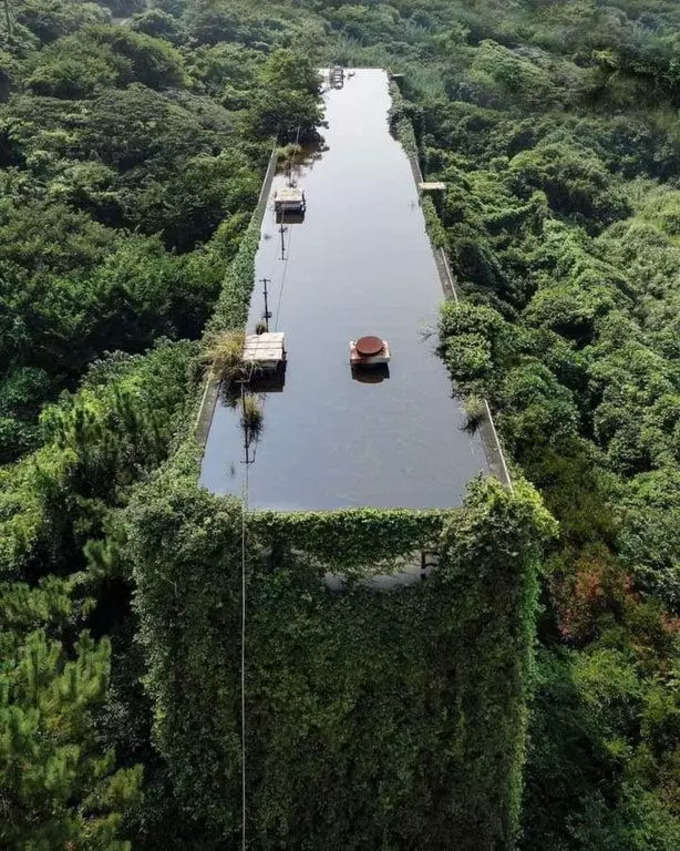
{"x": 133, "y": 137}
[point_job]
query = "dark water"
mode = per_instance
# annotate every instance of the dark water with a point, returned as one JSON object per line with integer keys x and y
{"x": 360, "y": 263}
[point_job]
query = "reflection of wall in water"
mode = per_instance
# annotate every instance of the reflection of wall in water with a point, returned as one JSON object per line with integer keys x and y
{"x": 413, "y": 570}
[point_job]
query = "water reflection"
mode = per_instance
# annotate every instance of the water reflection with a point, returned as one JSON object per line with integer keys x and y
{"x": 271, "y": 381}
{"x": 290, "y": 218}
{"x": 247, "y": 407}
{"x": 371, "y": 374}
{"x": 358, "y": 259}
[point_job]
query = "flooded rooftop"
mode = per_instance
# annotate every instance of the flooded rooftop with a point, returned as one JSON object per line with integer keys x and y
{"x": 358, "y": 262}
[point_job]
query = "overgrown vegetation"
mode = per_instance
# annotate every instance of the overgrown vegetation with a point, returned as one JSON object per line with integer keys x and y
{"x": 130, "y": 164}
{"x": 352, "y": 691}
{"x": 224, "y": 354}
{"x": 553, "y": 139}
{"x": 130, "y": 161}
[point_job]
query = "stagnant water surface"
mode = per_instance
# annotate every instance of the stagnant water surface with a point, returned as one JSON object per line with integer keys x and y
{"x": 360, "y": 263}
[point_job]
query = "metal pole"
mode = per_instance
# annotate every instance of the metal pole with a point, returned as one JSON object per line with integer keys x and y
{"x": 267, "y": 314}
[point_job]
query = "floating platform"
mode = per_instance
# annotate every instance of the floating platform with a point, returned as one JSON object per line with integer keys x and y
{"x": 432, "y": 186}
{"x": 336, "y": 77}
{"x": 290, "y": 200}
{"x": 369, "y": 351}
{"x": 265, "y": 351}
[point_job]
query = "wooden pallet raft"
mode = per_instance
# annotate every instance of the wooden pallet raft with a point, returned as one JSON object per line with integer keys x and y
{"x": 265, "y": 351}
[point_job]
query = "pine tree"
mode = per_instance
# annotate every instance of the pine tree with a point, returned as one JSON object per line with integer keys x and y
{"x": 59, "y": 786}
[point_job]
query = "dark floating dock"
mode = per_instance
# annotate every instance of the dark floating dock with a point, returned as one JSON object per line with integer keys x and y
{"x": 359, "y": 259}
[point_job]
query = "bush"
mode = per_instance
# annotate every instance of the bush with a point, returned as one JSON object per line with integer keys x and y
{"x": 224, "y": 351}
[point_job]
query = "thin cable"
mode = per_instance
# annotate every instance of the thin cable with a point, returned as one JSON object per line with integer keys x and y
{"x": 244, "y": 505}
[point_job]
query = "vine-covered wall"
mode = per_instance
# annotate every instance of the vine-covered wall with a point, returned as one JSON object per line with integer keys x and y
{"x": 375, "y": 720}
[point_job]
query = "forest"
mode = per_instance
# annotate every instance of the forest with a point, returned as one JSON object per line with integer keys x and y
{"x": 133, "y": 141}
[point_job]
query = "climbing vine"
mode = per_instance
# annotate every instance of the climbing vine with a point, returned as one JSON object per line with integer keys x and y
{"x": 350, "y": 540}
{"x": 403, "y": 711}
{"x": 435, "y": 228}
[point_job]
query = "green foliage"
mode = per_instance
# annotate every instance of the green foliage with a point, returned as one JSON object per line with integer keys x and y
{"x": 121, "y": 8}
{"x": 72, "y": 288}
{"x": 498, "y": 74}
{"x": 286, "y": 103}
{"x": 134, "y": 158}
{"x": 573, "y": 180}
{"x": 71, "y": 76}
{"x": 41, "y": 237}
{"x": 551, "y": 135}
{"x": 49, "y": 605}
{"x": 542, "y": 411}
{"x": 98, "y": 442}
{"x": 433, "y": 223}
{"x": 473, "y": 342}
{"x": 128, "y": 161}
{"x": 648, "y": 533}
{"x": 21, "y": 391}
{"x": 224, "y": 355}
{"x": 60, "y": 323}
{"x": 224, "y": 68}
{"x": 59, "y": 786}
{"x": 351, "y": 539}
{"x": 208, "y": 190}
{"x": 80, "y": 65}
{"x": 47, "y": 21}
{"x": 231, "y": 311}
{"x": 316, "y": 697}
{"x": 158, "y": 24}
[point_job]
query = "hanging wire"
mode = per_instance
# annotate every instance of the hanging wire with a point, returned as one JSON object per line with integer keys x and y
{"x": 243, "y": 659}
{"x": 244, "y": 508}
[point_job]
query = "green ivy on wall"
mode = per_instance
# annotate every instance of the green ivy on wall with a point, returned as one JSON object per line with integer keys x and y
{"x": 349, "y": 540}
{"x": 232, "y": 306}
{"x": 382, "y": 720}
